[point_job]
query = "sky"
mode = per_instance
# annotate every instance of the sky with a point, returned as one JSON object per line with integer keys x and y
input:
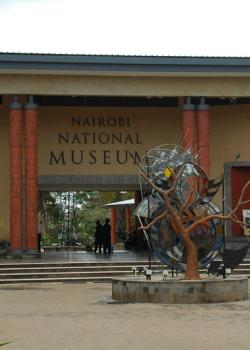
{"x": 126, "y": 27}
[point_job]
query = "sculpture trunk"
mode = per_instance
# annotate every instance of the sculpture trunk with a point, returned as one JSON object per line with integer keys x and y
{"x": 192, "y": 272}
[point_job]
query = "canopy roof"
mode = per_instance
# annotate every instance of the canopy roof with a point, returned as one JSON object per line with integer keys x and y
{"x": 121, "y": 204}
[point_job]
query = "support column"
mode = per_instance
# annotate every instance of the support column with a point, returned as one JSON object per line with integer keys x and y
{"x": 189, "y": 126}
{"x": 16, "y": 175}
{"x": 113, "y": 225}
{"x": 203, "y": 135}
{"x": 128, "y": 221}
{"x": 137, "y": 201}
{"x": 31, "y": 188}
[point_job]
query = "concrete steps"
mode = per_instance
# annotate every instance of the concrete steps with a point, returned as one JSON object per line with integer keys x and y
{"x": 34, "y": 272}
{"x": 39, "y": 272}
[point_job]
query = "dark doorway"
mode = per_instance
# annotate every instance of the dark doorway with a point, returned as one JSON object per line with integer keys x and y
{"x": 237, "y": 175}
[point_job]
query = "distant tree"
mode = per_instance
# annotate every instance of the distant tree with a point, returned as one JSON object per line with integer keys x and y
{"x": 70, "y": 217}
{"x": 50, "y": 216}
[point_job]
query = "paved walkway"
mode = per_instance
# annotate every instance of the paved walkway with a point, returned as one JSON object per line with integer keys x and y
{"x": 83, "y": 256}
{"x": 80, "y": 316}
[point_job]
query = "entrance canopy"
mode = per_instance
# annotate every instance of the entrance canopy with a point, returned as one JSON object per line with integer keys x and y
{"x": 121, "y": 204}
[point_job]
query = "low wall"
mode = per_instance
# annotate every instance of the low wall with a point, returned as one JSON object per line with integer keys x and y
{"x": 170, "y": 291}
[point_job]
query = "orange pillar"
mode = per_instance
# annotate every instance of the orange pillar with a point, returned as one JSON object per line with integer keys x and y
{"x": 203, "y": 135}
{"x": 16, "y": 175}
{"x": 31, "y": 188}
{"x": 128, "y": 221}
{"x": 189, "y": 126}
{"x": 113, "y": 225}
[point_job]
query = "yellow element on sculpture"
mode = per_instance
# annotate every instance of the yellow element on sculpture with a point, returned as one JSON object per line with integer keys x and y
{"x": 168, "y": 172}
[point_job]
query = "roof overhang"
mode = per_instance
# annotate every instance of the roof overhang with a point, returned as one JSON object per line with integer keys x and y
{"x": 13, "y": 63}
{"x": 83, "y": 75}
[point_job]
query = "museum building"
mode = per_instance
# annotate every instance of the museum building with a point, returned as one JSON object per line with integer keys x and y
{"x": 83, "y": 122}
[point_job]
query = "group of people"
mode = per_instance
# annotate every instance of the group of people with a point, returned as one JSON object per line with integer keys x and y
{"x": 103, "y": 237}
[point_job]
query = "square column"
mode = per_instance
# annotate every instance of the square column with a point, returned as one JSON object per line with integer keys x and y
{"x": 113, "y": 225}
{"x": 139, "y": 233}
{"x": 189, "y": 126}
{"x": 31, "y": 187}
{"x": 128, "y": 221}
{"x": 203, "y": 135}
{"x": 16, "y": 176}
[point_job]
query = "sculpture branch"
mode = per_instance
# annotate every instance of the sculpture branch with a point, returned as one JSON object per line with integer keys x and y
{"x": 229, "y": 216}
{"x": 161, "y": 216}
{"x": 187, "y": 201}
{"x": 158, "y": 189}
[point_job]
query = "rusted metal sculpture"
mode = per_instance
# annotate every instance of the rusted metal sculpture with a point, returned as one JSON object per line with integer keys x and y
{"x": 178, "y": 218}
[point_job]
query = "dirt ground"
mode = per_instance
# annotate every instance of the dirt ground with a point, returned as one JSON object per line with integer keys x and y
{"x": 82, "y": 316}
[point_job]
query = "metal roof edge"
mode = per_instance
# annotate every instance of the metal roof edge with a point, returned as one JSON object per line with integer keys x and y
{"x": 123, "y": 63}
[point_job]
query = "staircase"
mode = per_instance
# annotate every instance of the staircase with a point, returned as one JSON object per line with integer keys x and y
{"x": 38, "y": 272}
{"x": 67, "y": 272}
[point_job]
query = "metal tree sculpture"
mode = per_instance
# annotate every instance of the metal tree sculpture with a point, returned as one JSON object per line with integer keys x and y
{"x": 182, "y": 190}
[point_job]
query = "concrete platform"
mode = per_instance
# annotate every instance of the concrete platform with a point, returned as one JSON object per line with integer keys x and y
{"x": 179, "y": 291}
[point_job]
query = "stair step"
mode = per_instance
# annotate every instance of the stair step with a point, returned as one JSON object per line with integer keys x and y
{"x": 87, "y": 264}
{"x": 77, "y": 264}
{"x": 69, "y": 269}
{"x": 58, "y": 279}
{"x": 68, "y": 274}
{"x": 61, "y": 279}
{"x": 63, "y": 274}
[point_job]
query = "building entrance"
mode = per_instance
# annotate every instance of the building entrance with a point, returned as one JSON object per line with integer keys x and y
{"x": 67, "y": 219}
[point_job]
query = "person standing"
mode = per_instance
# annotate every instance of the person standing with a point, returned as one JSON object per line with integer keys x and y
{"x": 98, "y": 236}
{"x": 107, "y": 237}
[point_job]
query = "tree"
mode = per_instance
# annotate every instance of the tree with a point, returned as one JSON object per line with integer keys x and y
{"x": 50, "y": 216}
{"x": 179, "y": 217}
